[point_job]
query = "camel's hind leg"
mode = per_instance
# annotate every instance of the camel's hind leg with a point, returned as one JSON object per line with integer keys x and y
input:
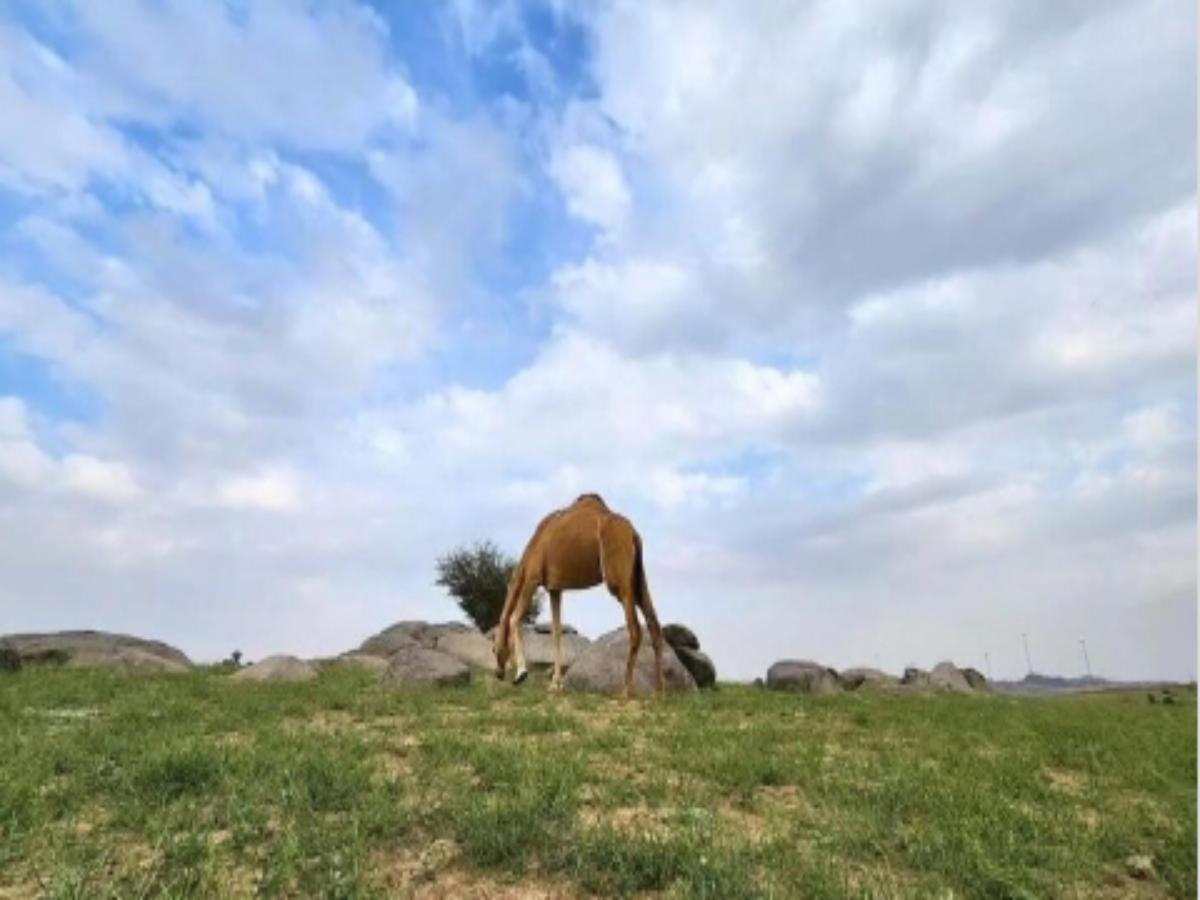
{"x": 635, "y": 639}
{"x": 656, "y": 636}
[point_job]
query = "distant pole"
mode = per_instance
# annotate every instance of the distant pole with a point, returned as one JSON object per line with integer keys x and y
{"x": 1028, "y": 662}
{"x": 1087, "y": 663}
{"x": 987, "y": 662}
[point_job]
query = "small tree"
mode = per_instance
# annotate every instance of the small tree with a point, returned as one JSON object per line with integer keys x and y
{"x": 477, "y": 577}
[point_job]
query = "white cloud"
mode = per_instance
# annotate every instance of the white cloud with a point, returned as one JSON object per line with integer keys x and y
{"x": 593, "y": 184}
{"x": 274, "y": 489}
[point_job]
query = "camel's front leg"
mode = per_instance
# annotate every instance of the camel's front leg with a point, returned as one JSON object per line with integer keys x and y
{"x": 515, "y": 622}
{"x": 556, "y": 682}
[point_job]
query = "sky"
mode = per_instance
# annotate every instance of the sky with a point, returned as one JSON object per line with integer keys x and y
{"x": 877, "y": 319}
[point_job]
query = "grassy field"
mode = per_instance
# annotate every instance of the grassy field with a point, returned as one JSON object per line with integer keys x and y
{"x": 195, "y": 786}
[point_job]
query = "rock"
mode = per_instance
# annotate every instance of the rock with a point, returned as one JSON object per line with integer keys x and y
{"x": 539, "y": 648}
{"x": 10, "y": 659}
{"x": 392, "y": 638}
{"x": 547, "y": 628}
{"x": 866, "y": 678}
{"x": 362, "y": 661}
{"x": 126, "y": 659}
{"x": 975, "y": 679}
{"x": 803, "y": 676}
{"x": 96, "y": 648}
{"x": 470, "y": 647}
{"x": 680, "y": 636}
{"x": 1140, "y": 866}
{"x": 408, "y": 634}
{"x": 601, "y": 668}
{"x": 914, "y": 677}
{"x": 947, "y": 676}
{"x": 417, "y": 665}
{"x": 698, "y": 664}
{"x": 277, "y": 668}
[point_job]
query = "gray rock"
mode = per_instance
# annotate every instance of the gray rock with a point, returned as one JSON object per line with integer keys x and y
{"x": 280, "y": 667}
{"x": 547, "y": 628}
{"x": 126, "y": 659}
{"x": 803, "y": 676}
{"x": 539, "y": 648}
{"x": 914, "y": 677}
{"x": 678, "y": 635}
{"x": 407, "y": 634}
{"x": 975, "y": 679}
{"x": 362, "y": 661}
{"x": 699, "y": 665}
{"x": 947, "y": 676}
{"x": 418, "y": 665}
{"x": 95, "y": 648}
{"x": 866, "y": 678}
{"x": 470, "y": 647}
{"x": 601, "y": 668}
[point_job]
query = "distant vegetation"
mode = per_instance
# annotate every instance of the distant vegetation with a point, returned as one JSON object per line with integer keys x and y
{"x": 477, "y": 577}
{"x": 197, "y": 785}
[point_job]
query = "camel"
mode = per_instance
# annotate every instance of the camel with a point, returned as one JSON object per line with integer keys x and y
{"x": 578, "y": 547}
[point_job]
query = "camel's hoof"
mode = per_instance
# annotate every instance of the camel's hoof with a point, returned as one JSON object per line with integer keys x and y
{"x": 521, "y": 676}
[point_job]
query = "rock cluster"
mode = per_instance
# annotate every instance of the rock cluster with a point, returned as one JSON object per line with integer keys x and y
{"x": 808, "y": 677}
{"x": 93, "y": 649}
{"x": 601, "y": 669}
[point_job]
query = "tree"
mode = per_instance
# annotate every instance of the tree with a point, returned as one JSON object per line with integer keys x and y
{"x": 477, "y": 577}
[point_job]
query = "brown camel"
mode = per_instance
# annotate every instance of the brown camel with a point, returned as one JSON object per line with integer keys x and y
{"x": 578, "y": 547}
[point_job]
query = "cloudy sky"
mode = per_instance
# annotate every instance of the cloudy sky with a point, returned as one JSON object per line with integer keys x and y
{"x": 878, "y": 319}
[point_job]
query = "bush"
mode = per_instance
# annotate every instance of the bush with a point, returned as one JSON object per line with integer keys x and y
{"x": 477, "y": 577}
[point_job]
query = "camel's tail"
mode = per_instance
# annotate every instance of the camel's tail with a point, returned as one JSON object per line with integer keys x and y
{"x": 641, "y": 590}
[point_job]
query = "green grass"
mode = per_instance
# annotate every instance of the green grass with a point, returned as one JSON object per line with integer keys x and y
{"x": 116, "y": 786}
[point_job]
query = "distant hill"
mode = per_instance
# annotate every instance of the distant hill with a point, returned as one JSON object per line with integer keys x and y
{"x": 1038, "y": 683}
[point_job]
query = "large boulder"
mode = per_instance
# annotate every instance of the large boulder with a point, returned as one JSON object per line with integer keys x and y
{"x": 362, "y": 662}
{"x": 947, "y": 676}
{"x": 126, "y": 659}
{"x": 468, "y": 646}
{"x": 418, "y": 665}
{"x": 409, "y": 634}
{"x": 277, "y": 668}
{"x": 601, "y": 668}
{"x": 97, "y": 648}
{"x": 539, "y": 648}
{"x": 392, "y": 638}
{"x": 548, "y": 628}
{"x": 866, "y": 678}
{"x": 680, "y": 636}
{"x": 915, "y": 678}
{"x": 975, "y": 679}
{"x": 803, "y": 676}
{"x": 698, "y": 664}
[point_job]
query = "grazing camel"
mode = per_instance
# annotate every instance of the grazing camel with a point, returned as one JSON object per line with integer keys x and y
{"x": 578, "y": 547}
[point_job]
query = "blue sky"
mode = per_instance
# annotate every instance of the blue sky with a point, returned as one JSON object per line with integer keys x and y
{"x": 877, "y": 319}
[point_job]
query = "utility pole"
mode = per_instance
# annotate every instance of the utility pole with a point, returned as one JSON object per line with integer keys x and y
{"x": 987, "y": 662}
{"x": 1028, "y": 662}
{"x": 1086, "y": 662}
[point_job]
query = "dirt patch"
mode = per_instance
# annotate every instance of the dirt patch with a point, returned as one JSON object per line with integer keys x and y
{"x": 745, "y": 825}
{"x": 633, "y": 821}
{"x": 434, "y": 872}
{"x": 1065, "y": 781}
